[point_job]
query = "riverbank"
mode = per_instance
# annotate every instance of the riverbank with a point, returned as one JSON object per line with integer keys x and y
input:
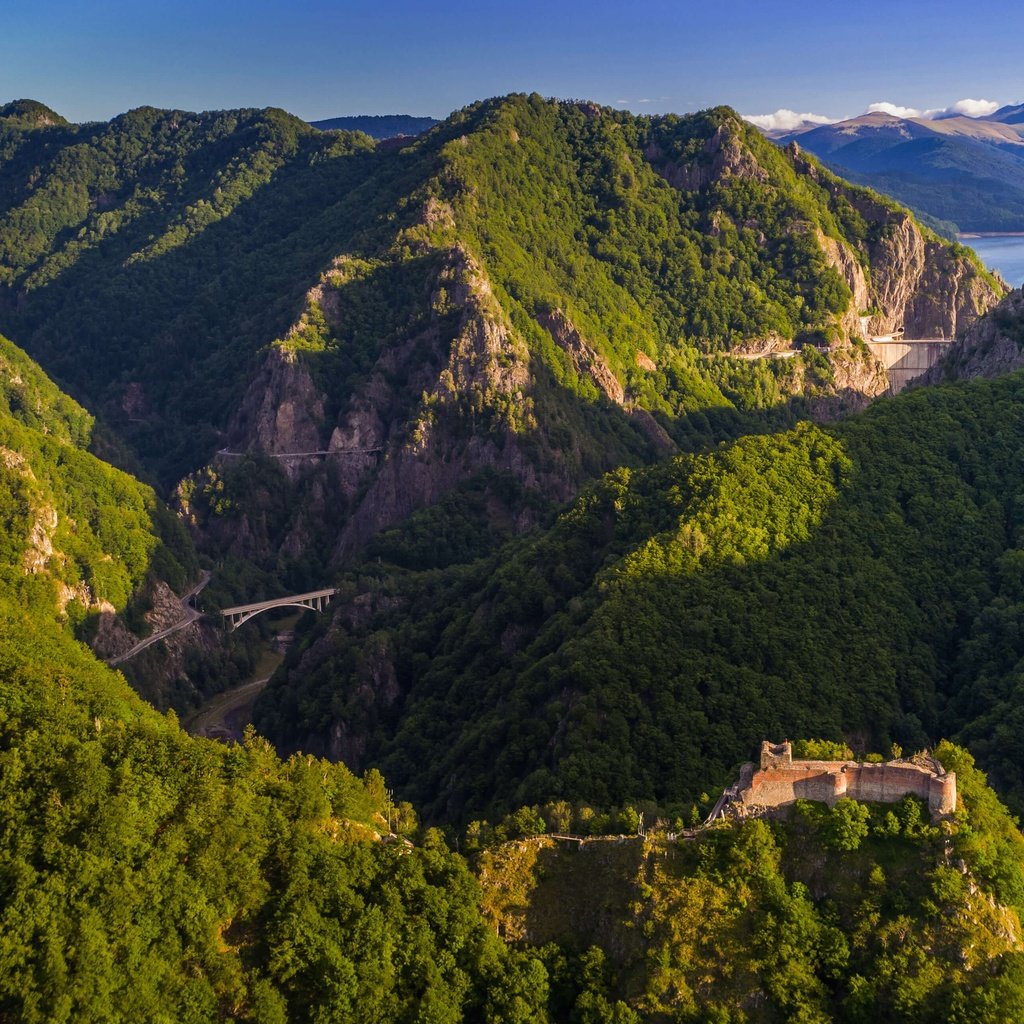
{"x": 225, "y": 715}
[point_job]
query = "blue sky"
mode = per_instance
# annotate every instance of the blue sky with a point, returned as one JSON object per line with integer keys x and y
{"x": 91, "y": 59}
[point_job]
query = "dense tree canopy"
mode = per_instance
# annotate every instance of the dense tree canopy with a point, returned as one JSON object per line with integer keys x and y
{"x": 860, "y": 583}
{"x": 856, "y": 582}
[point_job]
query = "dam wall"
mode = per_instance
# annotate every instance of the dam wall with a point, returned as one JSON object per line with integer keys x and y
{"x": 905, "y": 359}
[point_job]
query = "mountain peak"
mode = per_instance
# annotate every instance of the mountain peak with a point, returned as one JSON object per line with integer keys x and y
{"x": 32, "y": 113}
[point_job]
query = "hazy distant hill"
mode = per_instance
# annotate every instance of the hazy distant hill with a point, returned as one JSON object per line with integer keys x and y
{"x": 1013, "y": 114}
{"x": 966, "y": 170}
{"x": 378, "y": 126}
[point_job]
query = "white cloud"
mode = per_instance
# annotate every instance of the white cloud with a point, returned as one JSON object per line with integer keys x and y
{"x": 897, "y": 111}
{"x": 785, "y": 120}
{"x": 968, "y": 108}
{"x": 974, "y": 108}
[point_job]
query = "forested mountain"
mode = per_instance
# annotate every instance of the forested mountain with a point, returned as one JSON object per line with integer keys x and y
{"x": 846, "y": 915}
{"x": 964, "y": 170}
{"x": 475, "y": 326}
{"x": 530, "y": 294}
{"x": 857, "y": 581}
{"x": 146, "y": 875}
{"x": 79, "y": 535}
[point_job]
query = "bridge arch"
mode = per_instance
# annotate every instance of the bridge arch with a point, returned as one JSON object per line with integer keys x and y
{"x": 315, "y": 600}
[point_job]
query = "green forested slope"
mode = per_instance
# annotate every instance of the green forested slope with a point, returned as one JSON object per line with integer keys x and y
{"x": 146, "y": 875}
{"x": 160, "y": 250}
{"x": 148, "y": 262}
{"x": 852, "y": 914}
{"x": 77, "y": 532}
{"x": 859, "y": 582}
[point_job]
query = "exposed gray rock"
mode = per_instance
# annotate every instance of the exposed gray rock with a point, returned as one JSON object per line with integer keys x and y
{"x": 991, "y": 346}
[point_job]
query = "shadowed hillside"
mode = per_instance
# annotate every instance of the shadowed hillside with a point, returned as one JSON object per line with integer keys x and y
{"x": 858, "y": 582}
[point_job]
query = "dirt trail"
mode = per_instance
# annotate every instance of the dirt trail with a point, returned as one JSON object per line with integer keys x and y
{"x": 226, "y": 715}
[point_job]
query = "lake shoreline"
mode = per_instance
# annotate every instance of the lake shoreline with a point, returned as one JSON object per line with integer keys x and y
{"x": 1002, "y": 252}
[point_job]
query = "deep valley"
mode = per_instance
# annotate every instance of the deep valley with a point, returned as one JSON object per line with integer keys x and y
{"x": 407, "y": 539}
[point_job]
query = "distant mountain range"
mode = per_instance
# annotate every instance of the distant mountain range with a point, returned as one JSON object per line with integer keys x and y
{"x": 964, "y": 170}
{"x": 379, "y": 126}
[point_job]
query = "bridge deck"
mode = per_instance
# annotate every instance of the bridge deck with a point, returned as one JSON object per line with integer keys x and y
{"x": 260, "y": 605}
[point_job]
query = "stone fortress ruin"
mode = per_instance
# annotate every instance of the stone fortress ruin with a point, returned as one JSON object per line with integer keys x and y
{"x": 780, "y": 781}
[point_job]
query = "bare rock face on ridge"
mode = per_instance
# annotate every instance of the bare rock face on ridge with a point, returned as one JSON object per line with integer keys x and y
{"x": 991, "y": 346}
{"x": 914, "y": 280}
{"x": 723, "y": 156}
{"x": 447, "y": 400}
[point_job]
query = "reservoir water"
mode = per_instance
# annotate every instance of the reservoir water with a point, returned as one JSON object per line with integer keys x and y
{"x": 1004, "y": 253}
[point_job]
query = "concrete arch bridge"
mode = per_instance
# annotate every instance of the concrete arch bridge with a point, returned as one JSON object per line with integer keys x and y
{"x": 317, "y": 600}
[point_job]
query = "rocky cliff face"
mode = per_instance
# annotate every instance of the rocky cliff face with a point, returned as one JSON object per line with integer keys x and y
{"x": 724, "y": 155}
{"x": 282, "y": 412}
{"x": 906, "y": 278}
{"x": 856, "y": 378}
{"x": 585, "y": 359}
{"x": 922, "y": 285}
{"x": 449, "y": 399}
{"x": 914, "y": 280}
{"x": 368, "y": 415}
{"x": 844, "y": 259}
{"x": 476, "y": 376}
{"x": 991, "y": 346}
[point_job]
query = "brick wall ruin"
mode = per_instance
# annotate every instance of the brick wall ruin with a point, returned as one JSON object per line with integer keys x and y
{"x": 780, "y": 781}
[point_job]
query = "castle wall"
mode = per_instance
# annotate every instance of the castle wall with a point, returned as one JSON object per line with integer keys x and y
{"x": 775, "y": 787}
{"x": 887, "y": 783}
{"x": 942, "y": 794}
{"x": 781, "y": 781}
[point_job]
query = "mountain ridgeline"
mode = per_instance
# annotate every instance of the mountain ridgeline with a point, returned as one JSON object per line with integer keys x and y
{"x": 966, "y": 173}
{"x": 391, "y": 363}
{"x": 528, "y": 295}
{"x": 379, "y": 126}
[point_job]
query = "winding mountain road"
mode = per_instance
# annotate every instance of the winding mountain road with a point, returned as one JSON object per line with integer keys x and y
{"x": 189, "y": 615}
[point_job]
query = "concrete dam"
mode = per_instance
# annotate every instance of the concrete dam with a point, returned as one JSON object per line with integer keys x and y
{"x": 907, "y": 358}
